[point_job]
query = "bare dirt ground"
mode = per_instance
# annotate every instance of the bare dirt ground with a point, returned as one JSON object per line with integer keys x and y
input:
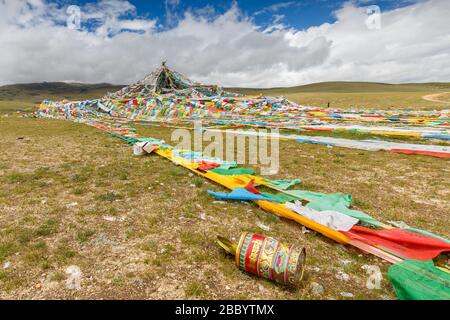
{"x": 438, "y": 97}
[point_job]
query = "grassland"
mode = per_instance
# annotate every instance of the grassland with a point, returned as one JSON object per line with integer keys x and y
{"x": 361, "y": 95}
{"x": 140, "y": 227}
{"x": 338, "y": 94}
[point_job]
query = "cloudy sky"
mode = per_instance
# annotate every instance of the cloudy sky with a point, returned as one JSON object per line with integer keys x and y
{"x": 252, "y": 43}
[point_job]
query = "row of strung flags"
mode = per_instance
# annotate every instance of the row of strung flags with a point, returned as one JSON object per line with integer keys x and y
{"x": 369, "y": 145}
{"x": 403, "y": 247}
{"x": 167, "y": 98}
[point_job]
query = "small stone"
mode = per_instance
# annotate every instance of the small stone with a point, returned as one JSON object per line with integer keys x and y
{"x": 399, "y": 224}
{"x": 263, "y": 227}
{"x": 6, "y": 265}
{"x": 202, "y": 216}
{"x": 227, "y": 288}
{"x": 342, "y": 276}
{"x": 261, "y": 288}
{"x": 109, "y": 218}
{"x": 72, "y": 204}
{"x": 345, "y": 262}
{"x": 192, "y": 185}
{"x": 38, "y": 286}
{"x": 315, "y": 269}
{"x": 365, "y": 267}
{"x": 347, "y": 294}
{"x": 305, "y": 230}
{"x": 316, "y": 289}
{"x": 191, "y": 174}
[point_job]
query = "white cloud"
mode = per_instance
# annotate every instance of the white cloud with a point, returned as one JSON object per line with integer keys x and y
{"x": 171, "y": 13}
{"x": 276, "y": 7}
{"x": 413, "y": 44}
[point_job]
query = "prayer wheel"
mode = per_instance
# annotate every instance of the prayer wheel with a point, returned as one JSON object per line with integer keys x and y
{"x": 268, "y": 258}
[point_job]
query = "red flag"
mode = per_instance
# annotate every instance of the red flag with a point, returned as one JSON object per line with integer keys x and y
{"x": 207, "y": 165}
{"x": 251, "y": 187}
{"x": 403, "y": 243}
{"x": 424, "y": 152}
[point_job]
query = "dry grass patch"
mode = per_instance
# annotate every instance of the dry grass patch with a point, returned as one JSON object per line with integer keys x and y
{"x": 140, "y": 227}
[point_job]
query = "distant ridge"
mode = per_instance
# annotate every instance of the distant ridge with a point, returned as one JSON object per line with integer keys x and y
{"x": 351, "y": 87}
{"x": 36, "y": 92}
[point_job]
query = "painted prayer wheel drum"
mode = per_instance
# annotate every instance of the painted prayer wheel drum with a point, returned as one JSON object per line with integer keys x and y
{"x": 271, "y": 259}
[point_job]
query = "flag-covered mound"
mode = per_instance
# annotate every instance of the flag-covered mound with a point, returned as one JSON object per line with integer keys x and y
{"x": 167, "y": 98}
{"x": 167, "y": 95}
{"x": 165, "y": 81}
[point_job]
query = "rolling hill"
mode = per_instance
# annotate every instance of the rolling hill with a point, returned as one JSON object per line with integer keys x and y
{"x": 350, "y": 87}
{"x": 364, "y": 95}
{"x": 36, "y": 92}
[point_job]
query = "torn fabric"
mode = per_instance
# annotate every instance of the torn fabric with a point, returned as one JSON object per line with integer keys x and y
{"x": 332, "y": 219}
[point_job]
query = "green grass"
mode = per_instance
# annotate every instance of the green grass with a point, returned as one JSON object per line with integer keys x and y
{"x": 47, "y": 228}
{"x": 85, "y": 235}
{"x": 7, "y": 249}
{"x": 198, "y": 182}
{"x": 368, "y": 100}
{"x": 64, "y": 253}
{"x": 354, "y": 87}
{"x": 195, "y": 289}
{"x": 109, "y": 197}
{"x": 361, "y": 95}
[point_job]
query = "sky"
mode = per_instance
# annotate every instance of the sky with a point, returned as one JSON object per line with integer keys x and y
{"x": 247, "y": 43}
